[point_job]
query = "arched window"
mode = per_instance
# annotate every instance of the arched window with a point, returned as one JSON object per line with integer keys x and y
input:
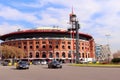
{"x": 50, "y": 46}
{"x": 57, "y": 47}
{"x": 69, "y": 47}
{"x": 31, "y": 47}
{"x": 43, "y": 55}
{"x": 57, "y": 55}
{"x": 82, "y": 55}
{"x": 63, "y": 47}
{"x": 37, "y": 54}
{"x": 63, "y": 54}
{"x": 50, "y": 55}
{"x": 43, "y": 46}
{"x": 30, "y": 55}
{"x": 69, "y": 55}
{"x": 37, "y": 47}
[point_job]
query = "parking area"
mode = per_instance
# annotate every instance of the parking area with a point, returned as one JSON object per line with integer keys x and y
{"x": 41, "y": 72}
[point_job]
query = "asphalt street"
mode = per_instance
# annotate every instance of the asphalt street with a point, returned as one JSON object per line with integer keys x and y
{"x": 41, "y": 72}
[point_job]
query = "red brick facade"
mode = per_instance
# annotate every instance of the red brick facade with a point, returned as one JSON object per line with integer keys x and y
{"x": 52, "y": 48}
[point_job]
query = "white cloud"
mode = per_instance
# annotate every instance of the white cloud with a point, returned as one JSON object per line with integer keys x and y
{"x": 7, "y": 28}
{"x": 9, "y": 13}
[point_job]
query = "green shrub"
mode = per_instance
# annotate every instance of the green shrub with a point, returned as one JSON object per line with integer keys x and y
{"x": 116, "y": 60}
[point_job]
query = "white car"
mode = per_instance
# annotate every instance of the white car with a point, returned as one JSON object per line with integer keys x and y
{"x": 43, "y": 62}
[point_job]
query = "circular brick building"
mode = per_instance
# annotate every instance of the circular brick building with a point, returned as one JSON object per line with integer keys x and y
{"x": 51, "y": 43}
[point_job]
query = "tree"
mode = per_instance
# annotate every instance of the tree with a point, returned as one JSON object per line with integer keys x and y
{"x": 116, "y": 60}
{"x": 11, "y": 52}
{"x": 117, "y": 54}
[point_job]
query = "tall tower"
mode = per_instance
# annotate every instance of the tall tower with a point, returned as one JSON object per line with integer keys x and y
{"x": 74, "y": 30}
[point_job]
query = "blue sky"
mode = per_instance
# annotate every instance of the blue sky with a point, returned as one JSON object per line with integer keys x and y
{"x": 97, "y": 17}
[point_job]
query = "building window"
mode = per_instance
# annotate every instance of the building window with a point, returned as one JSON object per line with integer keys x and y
{"x": 82, "y": 48}
{"x": 25, "y": 47}
{"x": 50, "y": 46}
{"x": 82, "y": 43}
{"x": 37, "y": 42}
{"x": 50, "y": 42}
{"x": 57, "y": 55}
{"x": 43, "y": 46}
{"x": 57, "y": 46}
{"x": 37, "y": 46}
{"x": 31, "y": 47}
{"x": 69, "y": 55}
{"x": 43, "y": 42}
{"x": 63, "y": 54}
{"x": 69, "y": 42}
{"x": 63, "y": 42}
{"x": 63, "y": 47}
{"x": 30, "y": 55}
{"x": 69, "y": 47}
{"x": 37, "y": 54}
{"x": 19, "y": 46}
{"x": 82, "y": 55}
{"x": 50, "y": 55}
{"x": 43, "y": 55}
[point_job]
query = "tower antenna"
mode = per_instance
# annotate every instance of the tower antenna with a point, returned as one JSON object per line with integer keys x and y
{"x": 72, "y": 10}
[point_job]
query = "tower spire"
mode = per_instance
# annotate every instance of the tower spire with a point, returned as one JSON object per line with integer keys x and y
{"x": 72, "y": 10}
{"x": 72, "y": 15}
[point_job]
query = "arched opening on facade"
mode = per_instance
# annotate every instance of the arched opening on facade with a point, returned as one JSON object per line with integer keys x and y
{"x": 63, "y": 55}
{"x": 44, "y": 55}
{"x": 50, "y": 55}
{"x": 30, "y": 55}
{"x": 82, "y": 55}
{"x": 37, "y": 55}
{"x": 57, "y": 54}
{"x": 69, "y": 55}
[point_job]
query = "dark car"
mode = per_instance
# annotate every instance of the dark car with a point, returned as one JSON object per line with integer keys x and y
{"x": 22, "y": 65}
{"x": 54, "y": 64}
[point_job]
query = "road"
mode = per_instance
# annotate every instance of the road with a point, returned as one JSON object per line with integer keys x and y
{"x": 41, "y": 72}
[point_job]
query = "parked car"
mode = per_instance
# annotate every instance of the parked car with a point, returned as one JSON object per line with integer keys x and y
{"x": 36, "y": 62}
{"x": 44, "y": 62}
{"x": 7, "y": 62}
{"x": 22, "y": 65}
{"x": 54, "y": 64}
